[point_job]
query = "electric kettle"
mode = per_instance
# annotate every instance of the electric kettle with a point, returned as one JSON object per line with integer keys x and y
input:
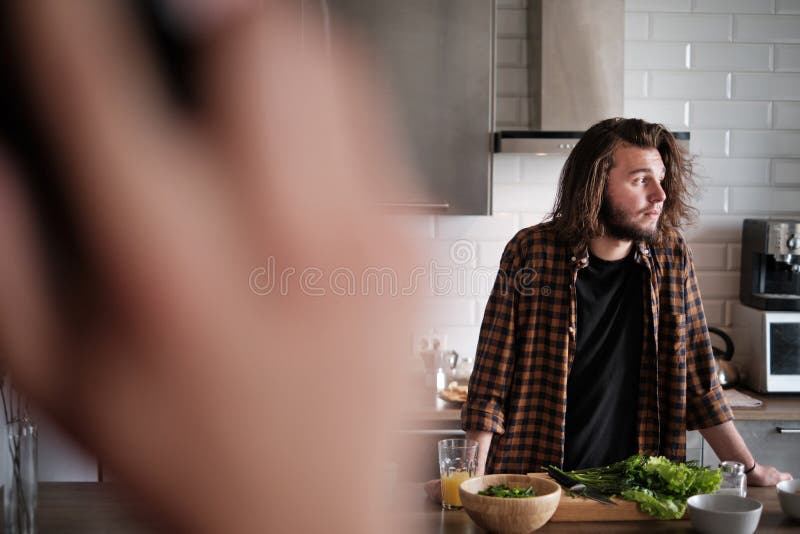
{"x": 727, "y": 373}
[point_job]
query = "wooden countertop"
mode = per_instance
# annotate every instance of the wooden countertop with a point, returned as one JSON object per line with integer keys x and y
{"x": 778, "y": 407}
{"x": 88, "y": 508}
{"x": 428, "y": 517}
{"x": 96, "y": 507}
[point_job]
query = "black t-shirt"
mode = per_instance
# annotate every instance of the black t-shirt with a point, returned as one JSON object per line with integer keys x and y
{"x": 603, "y": 384}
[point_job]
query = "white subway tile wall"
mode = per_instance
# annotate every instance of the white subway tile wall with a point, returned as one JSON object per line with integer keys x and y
{"x": 732, "y": 171}
{"x": 728, "y": 71}
{"x": 734, "y": 257}
{"x": 541, "y": 169}
{"x": 658, "y": 5}
{"x": 702, "y": 28}
{"x": 712, "y": 200}
{"x": 751, "y": 143}
{"x": 785, "y": 171}
{"x": 735, "y": 6}
{"x": 715, "y": 310}
{"x": 787, "y": 115}
{"x": 766, "y": 29}
{"x": 787, "y": 58}
{"x": 637, "y": 26}
{"x": 730, "y": 57}
{"x": 672, "y": 113}
{"x": 791, "y": 7}
{"x": 636, "y": 83}
{"x": 710, "y": 256}
{"x": 708, "y": 142}
{"x": 766, "y": 86}
{"x": 730, "y": 114}
{"x": 442, "y": 310}
{"x": 689, "y": 84}
{"x": 523, "y": 198}
{"x": 506, "y": 168}
{"x": 655, "y": 55}
{"x": 500, "y": 226}
{"x": 489, "y": 253}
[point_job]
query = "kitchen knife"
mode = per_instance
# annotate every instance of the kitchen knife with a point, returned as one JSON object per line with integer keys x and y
{"x": 577, "y": 487}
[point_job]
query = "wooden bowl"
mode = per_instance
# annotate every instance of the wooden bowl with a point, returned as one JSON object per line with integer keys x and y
{"x": 510, "y": 516}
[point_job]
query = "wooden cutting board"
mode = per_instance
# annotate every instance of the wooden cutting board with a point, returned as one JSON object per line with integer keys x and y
{"x": 572, "y": 508}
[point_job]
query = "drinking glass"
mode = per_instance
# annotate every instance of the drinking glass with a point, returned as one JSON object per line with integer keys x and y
{"x": 458, "y": 460}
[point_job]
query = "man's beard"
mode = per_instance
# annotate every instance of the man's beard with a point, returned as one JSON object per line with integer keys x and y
{"x": 618, "y": 225}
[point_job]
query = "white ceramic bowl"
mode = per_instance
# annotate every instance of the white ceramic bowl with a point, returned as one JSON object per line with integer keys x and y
{"x": 724, "y": 514}
{"x": 510, "y": 516}
{"x": 789, "y": 497}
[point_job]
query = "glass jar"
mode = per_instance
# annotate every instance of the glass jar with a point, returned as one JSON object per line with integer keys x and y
{"x": 19, "y": 476}
{"x": 734, "y": 481}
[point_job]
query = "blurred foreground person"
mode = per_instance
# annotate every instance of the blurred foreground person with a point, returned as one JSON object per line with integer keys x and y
{"x": 210, "y": 357}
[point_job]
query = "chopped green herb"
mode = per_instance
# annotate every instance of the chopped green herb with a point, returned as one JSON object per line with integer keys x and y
{"x": 504, "y": 491}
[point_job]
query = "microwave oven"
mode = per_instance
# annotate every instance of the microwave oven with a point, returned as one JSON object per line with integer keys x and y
{"x": 769, "y": 358}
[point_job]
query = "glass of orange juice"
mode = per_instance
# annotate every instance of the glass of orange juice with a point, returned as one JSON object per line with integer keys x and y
{"x": 458, "y": 460}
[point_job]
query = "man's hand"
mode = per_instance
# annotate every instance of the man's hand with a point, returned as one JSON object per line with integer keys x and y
{"x": 729, "y": 445}
{"x": 766, "y": 475}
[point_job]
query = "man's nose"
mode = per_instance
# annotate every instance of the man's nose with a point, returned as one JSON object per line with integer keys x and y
{"x": 656, "y": 193}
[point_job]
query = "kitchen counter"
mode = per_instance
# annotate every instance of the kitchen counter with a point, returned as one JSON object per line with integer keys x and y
{"x": 784, "y": 407}
{"x": 88, "y": 508}
{"x": 777, "y": 406}
{"x": 428, "y": 517}
{"x": 93, "y": 507}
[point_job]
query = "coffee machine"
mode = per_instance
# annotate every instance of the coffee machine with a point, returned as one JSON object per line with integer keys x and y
{"x": 770, "y": 267}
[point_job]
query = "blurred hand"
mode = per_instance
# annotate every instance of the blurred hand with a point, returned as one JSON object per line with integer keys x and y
{"x": 225, "y": 408}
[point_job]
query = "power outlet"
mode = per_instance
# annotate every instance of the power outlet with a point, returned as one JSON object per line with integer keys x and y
{"x": 429, "y": 341}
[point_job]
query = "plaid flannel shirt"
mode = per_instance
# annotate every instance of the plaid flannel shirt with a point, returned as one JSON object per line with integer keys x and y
{"x": 518, "y": 388}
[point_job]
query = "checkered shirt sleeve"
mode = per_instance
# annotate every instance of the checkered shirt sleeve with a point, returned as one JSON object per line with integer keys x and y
{"x": 705, "y": 402}
{"x": 491, "y": 377}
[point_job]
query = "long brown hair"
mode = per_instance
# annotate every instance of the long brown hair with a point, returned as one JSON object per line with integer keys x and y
{"x": 582, "y": 185}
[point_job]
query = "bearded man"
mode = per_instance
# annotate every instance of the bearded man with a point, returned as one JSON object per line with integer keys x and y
{"x": 594, "y": 345}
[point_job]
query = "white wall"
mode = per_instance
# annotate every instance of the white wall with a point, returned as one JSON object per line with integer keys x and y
{"x": 728, "y": 71}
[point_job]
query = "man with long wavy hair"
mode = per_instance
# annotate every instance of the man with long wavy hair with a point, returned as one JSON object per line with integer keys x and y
{"x": 594, "y": 344}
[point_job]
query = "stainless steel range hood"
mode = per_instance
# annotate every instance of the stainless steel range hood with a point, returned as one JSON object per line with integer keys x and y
{"x": 576, "y": 70}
